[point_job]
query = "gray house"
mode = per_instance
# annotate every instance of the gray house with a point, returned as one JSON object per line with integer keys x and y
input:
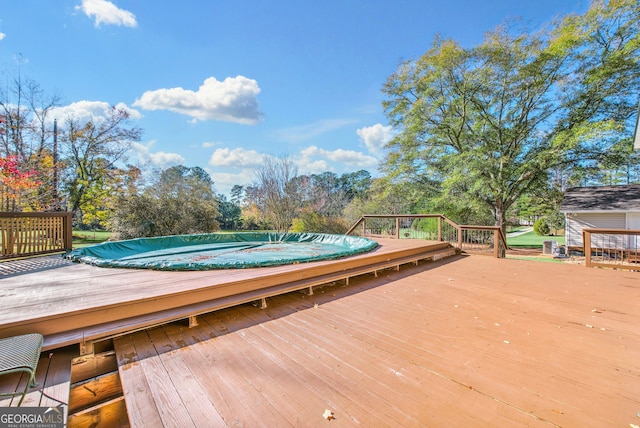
{"x": 609, "y": 207}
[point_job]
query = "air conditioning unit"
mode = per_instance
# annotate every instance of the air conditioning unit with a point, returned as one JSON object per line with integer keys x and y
{"x": 548, "y": 247}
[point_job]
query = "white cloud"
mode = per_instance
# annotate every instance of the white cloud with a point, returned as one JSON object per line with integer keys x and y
{"x": 376, "y": 137}
{"x": 84, "y": 111}
{"x": 232, "y": 100}
{"x": 237, "y": 157}
{"x": 308, "y": 166}
{"x": 224, "y": 181}
{"x": 297, "y": 134}
{"x": 2, "y": 36}
{"x": 107, "y": 13}
{"x": 347, "y": 157}
{"x": 159, "y": 159}
{"x": 209, "y": 144}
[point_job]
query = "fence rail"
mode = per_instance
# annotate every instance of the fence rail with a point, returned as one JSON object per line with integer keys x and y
{"x": 615, "y": 248}
{"x": 435, "y": 227}
{"x": 29, "y": 234}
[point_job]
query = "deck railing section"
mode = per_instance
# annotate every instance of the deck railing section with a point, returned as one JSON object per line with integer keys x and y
{"x": 615, "y": 248}
{"x": 435, "y": 227}
{"x": 29, "y": 234}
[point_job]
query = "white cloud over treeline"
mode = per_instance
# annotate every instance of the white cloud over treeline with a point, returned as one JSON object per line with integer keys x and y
{"x": 351, "y": 158}
{"x": 85, "y": 111}
{"x": 231, "y": 100}
{"x": 237, "y": 157}
{"x": 105, "y": 12}
{"x": 160, "y": 159}
{"x": 376, "y": 137}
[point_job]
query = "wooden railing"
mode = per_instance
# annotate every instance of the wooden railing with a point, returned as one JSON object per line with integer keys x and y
{"x": 435, "y": 227}
{"x": 29, "y": 234}
{"x": 614, "y": 248}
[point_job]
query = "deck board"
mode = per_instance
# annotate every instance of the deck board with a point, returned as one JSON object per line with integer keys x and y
{"x": 188, "y": 385}
{"x": 141, "y": 405}
{"x": 468, "y": 341}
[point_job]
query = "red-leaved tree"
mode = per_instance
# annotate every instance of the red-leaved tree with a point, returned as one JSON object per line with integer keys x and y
{"x": 14, "y": 183}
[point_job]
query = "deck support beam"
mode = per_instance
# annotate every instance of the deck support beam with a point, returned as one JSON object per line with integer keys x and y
{"x": 263, "y": 303}
{"x": 86, "y": 348}
{"x": 193, "y": 321}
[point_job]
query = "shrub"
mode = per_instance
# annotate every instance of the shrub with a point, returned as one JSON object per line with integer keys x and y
{"x": 541, "y": 227}
{"x": 311, "y": 221}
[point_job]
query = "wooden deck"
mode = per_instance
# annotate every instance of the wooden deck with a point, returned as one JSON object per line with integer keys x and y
{"x": 73, "y": 303}
{"x": 463, "y": 341}
{"x": 466, "y": 341}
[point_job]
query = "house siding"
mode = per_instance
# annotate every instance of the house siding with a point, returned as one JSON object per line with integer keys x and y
{"x": 579, "y": 221}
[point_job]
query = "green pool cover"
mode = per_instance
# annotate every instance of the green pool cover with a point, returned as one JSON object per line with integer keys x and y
{"x": 221, "y": 250}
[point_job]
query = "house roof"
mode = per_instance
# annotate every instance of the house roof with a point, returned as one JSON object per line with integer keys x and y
{"x": 602, "y": 198}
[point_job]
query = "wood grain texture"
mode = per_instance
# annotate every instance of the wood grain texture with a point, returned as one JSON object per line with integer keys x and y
{"x": 467, "y": 341}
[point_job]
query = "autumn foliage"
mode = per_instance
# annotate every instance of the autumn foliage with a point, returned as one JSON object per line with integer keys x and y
{"x": 14, "y": 183}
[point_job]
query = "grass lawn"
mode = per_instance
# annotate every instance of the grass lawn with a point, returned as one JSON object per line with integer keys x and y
{"x": 83, "y": 238}
{"x": 531, "y": 240}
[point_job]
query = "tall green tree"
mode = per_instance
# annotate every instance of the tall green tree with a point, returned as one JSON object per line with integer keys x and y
{"x": 230, "y": 213}
{"x": 355, "y": 184}
{"x": 489, "y": 122}
{"x": 93, "y": 149}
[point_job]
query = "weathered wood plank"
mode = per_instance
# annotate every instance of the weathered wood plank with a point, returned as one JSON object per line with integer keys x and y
{"x": 108, "y": 415}
{"x": 94, "y": 391}
{"x": 88, "y": 367}
{"x": 187, "y": 383}
{"x": 141, "y": 406}
{"x": 170, "y": 407}
{"x": 221, "y": 370}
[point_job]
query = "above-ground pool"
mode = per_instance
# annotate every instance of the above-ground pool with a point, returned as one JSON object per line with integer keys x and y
{"x": 221, "y": 250}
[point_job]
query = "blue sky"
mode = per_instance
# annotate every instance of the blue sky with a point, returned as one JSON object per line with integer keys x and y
{"x": 220, "y": 84}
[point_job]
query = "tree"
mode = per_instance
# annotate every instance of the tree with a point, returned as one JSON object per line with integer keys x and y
{"x": 180, "y": 200}
{"x": 102, "y": 197}
{"x": 230, "y": 212}
{"x": 620, "y": 165}
{"x": 93, "y": 149}
{"x": 14, "y": 183}
{"x": 237, "y": 194}
{"x": 25, "y": 136}
{"x": 490, "y": 122}
{"x": 355, "y": 184}
{"x": 275, "y": 192}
